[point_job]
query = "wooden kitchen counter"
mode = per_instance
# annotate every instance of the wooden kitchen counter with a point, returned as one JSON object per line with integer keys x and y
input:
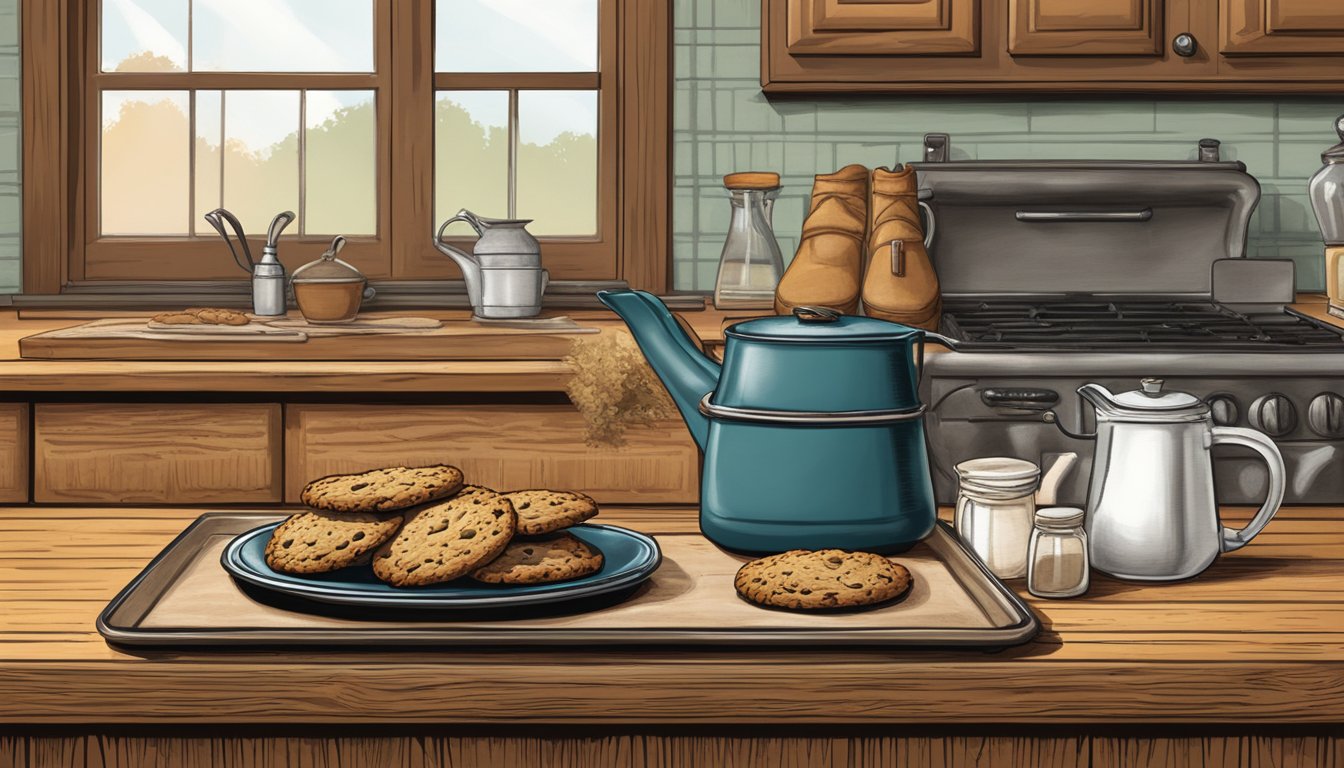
{"x": 1259, "y": 638}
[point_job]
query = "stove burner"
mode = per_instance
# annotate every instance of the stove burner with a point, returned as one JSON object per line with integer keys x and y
{"x": 1170, "y": 326}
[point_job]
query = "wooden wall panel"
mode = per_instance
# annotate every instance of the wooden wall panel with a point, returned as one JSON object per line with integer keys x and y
{"x": 500, "y": 446}
{"x": 157, "y": 454}
{"x": 667, "y": 751}
{"x": 14, "y": 452}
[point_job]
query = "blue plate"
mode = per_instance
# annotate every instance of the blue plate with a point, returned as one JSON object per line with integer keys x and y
{"x": 629, "y": 558}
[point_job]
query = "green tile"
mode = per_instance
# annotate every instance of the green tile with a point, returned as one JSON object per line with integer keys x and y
{"x": 737, "y": 13}
{"x": 748, "y": 110}
{"x": 714, "y": 212}
{"x": 800, "y": 158}
{"x": 1312, "y": 118}
{"x": 870, "y": 154}
{"x": 681, "y": 109}
{"x": 706, "y": 272}
{"x": 9, "y": 95}
{"x": 9, "y": 149}
{"x": 1092, "y": 117}
{"x": 682, "y": 59}
{"x": 683, "y": 211}
{"x": 737, "y": 61}
{"x": 683, "y": 13}
{"x": 1298, "y": 159}
{"x": 1218, "y": 119}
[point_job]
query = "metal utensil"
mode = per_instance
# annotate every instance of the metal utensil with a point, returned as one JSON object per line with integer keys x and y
{"x": 278, "y": 225}
{"x": 217, "y": 218}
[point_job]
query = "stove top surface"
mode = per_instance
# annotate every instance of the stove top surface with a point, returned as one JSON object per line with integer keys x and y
{"x": 1094, "y": 325}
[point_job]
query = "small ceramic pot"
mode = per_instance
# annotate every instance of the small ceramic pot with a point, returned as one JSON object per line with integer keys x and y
{"x": 330, "y": 290}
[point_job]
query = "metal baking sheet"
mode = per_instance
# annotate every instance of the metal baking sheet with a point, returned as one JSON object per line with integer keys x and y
{"x": 185, "y": 598}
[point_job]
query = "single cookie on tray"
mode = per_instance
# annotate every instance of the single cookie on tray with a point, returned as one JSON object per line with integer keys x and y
{"x": 541, "y": 511}
{"x": 447, "y": 539}
{"x": 806, "y": 580}
{"x": 318, "y": 542}
{"x": 559, "y": 557}
{"x": 383, "y": 490}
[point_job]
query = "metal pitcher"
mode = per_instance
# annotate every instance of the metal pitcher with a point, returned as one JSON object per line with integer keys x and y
{"x": 1151, "y": 512}
{"x": 503, "y": 273}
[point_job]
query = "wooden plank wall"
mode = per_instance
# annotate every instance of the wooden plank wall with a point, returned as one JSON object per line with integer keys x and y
{"x": 656, "y": 751}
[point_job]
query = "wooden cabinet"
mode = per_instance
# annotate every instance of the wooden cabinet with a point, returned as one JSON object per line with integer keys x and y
{"x": 1281, "y": 27}
{"x": 500, "y": 446}
{"x": 941, "y": 46}
{"x": 151, "y": 453}
{"x": 901, "y": 27}
{"x": 1099, "y": 27}
{"x": 14, "y": 451}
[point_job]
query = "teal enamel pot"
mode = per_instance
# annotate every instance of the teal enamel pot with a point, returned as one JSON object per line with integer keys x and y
{"x": 812, "y": 429}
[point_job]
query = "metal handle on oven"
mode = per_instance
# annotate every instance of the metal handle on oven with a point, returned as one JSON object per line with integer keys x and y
{"x": 1055, "y": 216}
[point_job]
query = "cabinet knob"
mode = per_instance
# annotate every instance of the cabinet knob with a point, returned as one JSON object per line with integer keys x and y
{"x": 1185, "y": 45}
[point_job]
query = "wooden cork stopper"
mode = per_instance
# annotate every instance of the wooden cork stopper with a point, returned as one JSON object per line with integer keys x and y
{"x": 751, "y": 180}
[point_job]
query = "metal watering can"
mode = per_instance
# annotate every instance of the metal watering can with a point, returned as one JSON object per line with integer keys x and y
{"x": 812, "y": 429}
{"x": 503, "y": 272}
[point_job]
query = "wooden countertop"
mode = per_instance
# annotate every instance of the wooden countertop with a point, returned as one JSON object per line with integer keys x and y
{"x": 1257, "y": 638}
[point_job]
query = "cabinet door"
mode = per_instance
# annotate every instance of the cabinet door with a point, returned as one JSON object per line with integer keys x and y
{"x": 1282, "y": 27}
{"x": 1095, "y": 28}
{"x": 880, "y": 27}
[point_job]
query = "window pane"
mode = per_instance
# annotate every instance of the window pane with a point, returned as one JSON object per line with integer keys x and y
{"x": 144, "y": 35}
{"x": 282, "y": 35}
{"x": 340, "y": 164}
{"x": 261, "y": 156}
{"x": 144, "y": 157}
{"x": 209, "y": 168}
{"x": 471, "y": 153}
{"x": 515, "y": 36}
{"x": 557, "y": 161}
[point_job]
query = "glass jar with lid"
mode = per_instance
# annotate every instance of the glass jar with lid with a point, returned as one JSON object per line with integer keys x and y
{"x": 995, "y": 507}
{"x": 1057, "y": 557}
{"x": 751, "y": 263}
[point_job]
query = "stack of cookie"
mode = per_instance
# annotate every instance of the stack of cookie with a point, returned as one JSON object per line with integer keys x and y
{"x": 423, "y": 525}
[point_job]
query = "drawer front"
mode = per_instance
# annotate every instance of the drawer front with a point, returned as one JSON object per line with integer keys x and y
{"x": 14, "y": 452}
{"x": 504, "y": 447}
{"x": 1098, "y": 28}
{"x": 157, "y": 454}
{"x": 910, "y": 27}
{"x": 1282, "y": 27}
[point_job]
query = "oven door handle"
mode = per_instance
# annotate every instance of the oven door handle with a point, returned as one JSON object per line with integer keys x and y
{"x": 1038, "y": 217}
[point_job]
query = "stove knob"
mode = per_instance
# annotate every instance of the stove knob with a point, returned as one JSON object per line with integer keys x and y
{"x": 1273, "y": 414}
{"x": 1325, "y": 415}
{"x": 1224, "y": 409}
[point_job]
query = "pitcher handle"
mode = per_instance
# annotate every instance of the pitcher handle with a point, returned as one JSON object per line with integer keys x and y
{"x": 1249, "y": 438}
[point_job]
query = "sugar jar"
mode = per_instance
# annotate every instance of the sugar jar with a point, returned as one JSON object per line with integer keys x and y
{"x": 1057, "y": 558}
{"x": 994, "y": 513}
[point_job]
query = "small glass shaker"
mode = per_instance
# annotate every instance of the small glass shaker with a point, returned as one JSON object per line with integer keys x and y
{"x": 751, "y": 264}
{"x": 1058, "y": 565}
{"x": 994, "y": 511}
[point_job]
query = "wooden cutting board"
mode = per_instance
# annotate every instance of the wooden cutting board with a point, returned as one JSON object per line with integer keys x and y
{"x": 367, "y": 339}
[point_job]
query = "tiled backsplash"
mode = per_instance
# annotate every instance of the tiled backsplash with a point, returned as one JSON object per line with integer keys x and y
{"x": 11, "y": 206}
{"x": 723, "y": 124}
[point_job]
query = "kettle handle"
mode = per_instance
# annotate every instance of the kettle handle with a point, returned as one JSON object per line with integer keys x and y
{"x": 1249, "y": 438}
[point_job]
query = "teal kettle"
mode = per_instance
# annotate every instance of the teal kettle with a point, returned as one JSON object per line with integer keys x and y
{"x": 812, "y": 429}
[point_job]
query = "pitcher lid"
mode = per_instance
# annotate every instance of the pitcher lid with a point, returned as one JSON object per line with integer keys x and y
{"x": 1150, "y": 397}
{"x": 811, "y": 324}
{"x": 328, "y": 268}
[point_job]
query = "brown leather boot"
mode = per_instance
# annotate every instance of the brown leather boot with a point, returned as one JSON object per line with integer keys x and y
{"x": 826, "y": 270}
{"x": 899, "y": 283}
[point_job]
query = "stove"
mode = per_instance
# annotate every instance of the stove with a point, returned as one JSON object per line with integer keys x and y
{"x": 1055, "y": 274}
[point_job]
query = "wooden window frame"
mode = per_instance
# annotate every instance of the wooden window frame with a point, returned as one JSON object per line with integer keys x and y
{"x": 59, "y": 168}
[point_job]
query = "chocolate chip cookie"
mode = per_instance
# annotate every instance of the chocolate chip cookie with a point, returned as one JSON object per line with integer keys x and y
{"x": 318, "y": 542}
{"x": 804, "y": 580}
{"x": 383, "y": 490}
{"x": 202, "y": 316}
{"x": 447, "y": 539}
{"x": 541, "y": 512}
{"x": 559, "y": 557}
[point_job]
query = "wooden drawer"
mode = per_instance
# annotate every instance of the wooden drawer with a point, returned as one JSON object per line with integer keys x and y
{"x": 14, "y": 452}
{"x": 157, "y": 454}
{"x": 1097, "y": 28}
{"x": 929, "y": 27}
{"x": 501, "y": 446}
{"x": 1282, "y": 27}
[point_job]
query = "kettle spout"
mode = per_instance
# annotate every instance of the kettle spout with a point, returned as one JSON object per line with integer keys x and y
{"x": 1100, "y": 397}
{"x": 468, "y": 263}
{"x": 686, "y": 372}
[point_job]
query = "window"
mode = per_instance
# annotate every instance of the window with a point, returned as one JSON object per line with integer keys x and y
{"x": 375, "y": 119}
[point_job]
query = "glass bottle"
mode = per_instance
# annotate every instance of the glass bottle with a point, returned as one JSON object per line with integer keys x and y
{"x": 1326, "y": 190}
{"x": 1057, "y": 561}
{"x": 995, "y": 506}
{"x": 751, "y": 264}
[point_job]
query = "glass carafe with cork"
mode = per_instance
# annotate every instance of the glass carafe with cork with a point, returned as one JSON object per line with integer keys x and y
{"x": 751, "y": 264}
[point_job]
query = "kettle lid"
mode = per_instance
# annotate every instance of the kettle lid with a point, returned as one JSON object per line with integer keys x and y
{"x": 811, "y": 324}
{"x": 1150, "y": 397}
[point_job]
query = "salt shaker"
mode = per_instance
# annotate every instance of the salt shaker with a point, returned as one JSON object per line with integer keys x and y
{"x": 1057, "y": 560}
{"x": 995, "y": 510}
